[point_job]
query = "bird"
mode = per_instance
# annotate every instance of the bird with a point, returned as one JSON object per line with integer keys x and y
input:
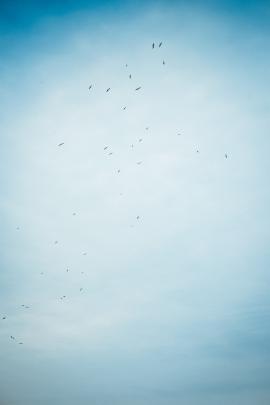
{"x": 140, "y": 140}
{"x": 67, "y": 270}
{"x": 42, "y": 273}
{"x": 118, "y": 171}
{"x": 159, "y": 45}
{"x": 84, "y": 253}
{"x": 12, "y": 337}
{"x": 20, "y": 343}
{"x": 146, "y": 128}
{"x": 197, "y": 151}
{"x": 110, "y": 153}
{"x": 226, "y": 156}
{"x": 132, "y": 146}
{"x": 61, "y": 144}
{"x": 153, "y": 45}
{"x": 126, "y": 65}
{"x": 137, "y": 217}
{"x": 179, "y": 134}
{"x": 55, "y": 242}
{"x": 17, "y": 228}
{"x": 163, "y": 62}
{"x": 138, "y": 88}
{"x": 139, "y": 163}
{"x": 3, "y": 317}
{"x": 105, "y": 147}
{"x": 130, "y": 76}
{"x": 74, "y": 213}
{"x": 90, "y": 87}
{"x": 81, "y": 289}
{"x": 108, "y": 89}
{"x": 124, "y": 108}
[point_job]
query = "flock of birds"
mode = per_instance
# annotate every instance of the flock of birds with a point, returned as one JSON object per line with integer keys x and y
{"x": 105, "y": 148}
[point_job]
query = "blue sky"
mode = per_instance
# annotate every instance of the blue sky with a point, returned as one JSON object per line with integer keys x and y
{"x": 167, "y": 289}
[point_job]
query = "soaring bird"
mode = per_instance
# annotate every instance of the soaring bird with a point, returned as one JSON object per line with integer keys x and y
{"x": 137, "y": 217}
{"x": 226, "y": 156}
{"x": 108, "y": 90}
{"x": 140, "y": 140}
{"x": 163, "y": 62}
{"x": 74, "y": 213}
{"x": 126, "y": 65}
{"x": 159, "y": 45}
{"x": 84, "y": 253}
{"x": 153, "y": 45}
{"x": 61, "y": 144}
{"x": 90, "y": 87}
{"x": 12, "y": 337}
{"x": 110, "y": 153}
{"x": 105, "y": 147}
{"x": 130, "y": 76}
{"x": 81, "y": 289}
{"x": 124, "y": 108}
{"x": 139, "y": 163}
{"x": 20, "y": 343}
{"x": 138, "y": 88}
{"x": 118, "y": 171}
{"x": 146, "y": 128}
{"x": 4, "y": 317}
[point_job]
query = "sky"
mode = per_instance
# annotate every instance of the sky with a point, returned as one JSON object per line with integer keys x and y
{"x": 134, "y": 257}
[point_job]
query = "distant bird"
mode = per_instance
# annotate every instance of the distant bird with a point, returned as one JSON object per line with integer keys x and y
{"x": 137, "y": 217}
{"x": 12, "y": 337}
{"x": 118, "y": 171}
{"x": 146, "y": 128}
{"x": 62, "y": 143}
{"x": 179, "y": 134}
{"x": 20, "y": 343}
{"x": 139, "y": 163}
{"x": 153, "y": 45}
{"x": 124, "y": 108}
{"x": 82, "y": 272}
{"x": 126, "y": 65}
{"x": 138, "y": 88}
{"x": 41, "y": 273}
{"x": 90, "y": 87}
{"x": 132, "y": 146}
{"x": 130, "y": 76}
{"x": 67, "y": 270}
{"x": 159, "y": 45}
{"x": 163, "y": 62}
{"x": 108, "y": 89}
{"x": 17, "y": 228}
{"x": 105, "y": 147}
{"x": 55, "y": 242}
{"x": 84, "y": 253}
{"x": 110, "y": 153}
{"x": 81, "y": 289}
{"x": 4, "y": 317}
{"x": 197, "y": 151}
{"x": 226, "y": 156}
{"x": 140, "y": 140}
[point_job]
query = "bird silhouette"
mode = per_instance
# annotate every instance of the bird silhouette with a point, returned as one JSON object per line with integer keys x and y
{"x": 130, "y": 76}
{"x": 61, "y": 144}
{"x": 108, "y": 89}
{"x": 159, "y": 45}
{"x": 90, "y": 87}
{"x": 226, "y": 156}
{"x": 138, "y": 88}
{"x": 153, "y": 45}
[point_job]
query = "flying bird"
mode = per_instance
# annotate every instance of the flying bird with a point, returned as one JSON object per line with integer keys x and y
{"x": 118, "y": 171}
{"x": 226, "y": 156}
{"x": 139, "y": 163}
{"x": 61, "y": 144}
{"x": 108, "y": 90}
{"x": 4, "y": 317}
{"x": 126, "y": 65}
{"x": 124, "y": 108}
{"x": 153, "y": 45}
{"x": 137, "y": 217}
{"x": 12, "y": 337}
{"x": 159, "y": 45}
{"x": 84, "y": 253}
{"x": 20, "y": 343}
{"x": 105, "y": 147}
{"x": 90, "y": 87}
{"x": 163, "y": 62}
{"x": 146, "y": 128}
{"x": 132, "y": 146}
{"x": 55, "y": 242}
{"x": 74, "y": 213}
{"x": 81, "y": 289}
{"x": 138, "y": 88}
{"x": 140, "y": 140}
{"x": 110, "y": 153}
{"x": 130, "y": 76}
